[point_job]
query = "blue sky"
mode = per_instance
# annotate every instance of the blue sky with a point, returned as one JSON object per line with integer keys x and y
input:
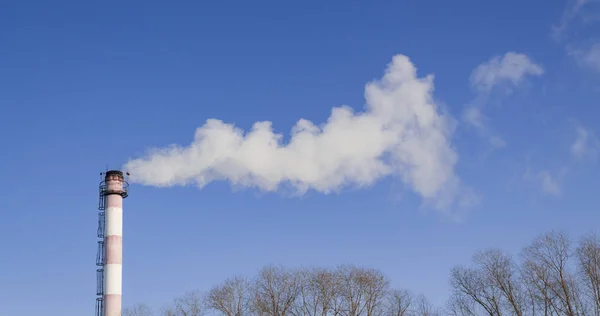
{"x": 87, "y": 85}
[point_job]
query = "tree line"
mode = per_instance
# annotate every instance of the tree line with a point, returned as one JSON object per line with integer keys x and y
{"x": 550, "y": 276}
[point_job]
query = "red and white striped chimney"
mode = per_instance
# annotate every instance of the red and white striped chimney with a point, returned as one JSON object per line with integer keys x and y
{"x": 116, "y": 190}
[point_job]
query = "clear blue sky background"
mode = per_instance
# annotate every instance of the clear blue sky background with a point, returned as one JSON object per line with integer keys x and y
{"x": 83, "y": 85}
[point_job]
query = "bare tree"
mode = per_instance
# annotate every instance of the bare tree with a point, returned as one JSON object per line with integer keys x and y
{"x": 539, "y": 284}
{"x": 471, "y": 284}
{"x": 376, "y": 287}
{"x": 460, "y": 305}
{"x": 545, "y": 282}
{"x": 316, "y": 292}
{"x": 361, "y": 290}
{"x": 545, "y": 267}
{"x": 274, "y": 291}
{"x": 588, "y": 261}
{"x": 189, "y": 304}
{"x": 492, "y": 285}
{"x": 424, "y": 308}
{"x": 231, "y": 298}
{"x": 500, "y": 272}
{"x": 398, "y": 303}
{"x": 138, "y": 310}
{"x": 168, "y": 311}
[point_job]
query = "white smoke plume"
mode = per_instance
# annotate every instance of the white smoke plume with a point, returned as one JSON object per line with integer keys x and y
{"x": 401, "y": 132}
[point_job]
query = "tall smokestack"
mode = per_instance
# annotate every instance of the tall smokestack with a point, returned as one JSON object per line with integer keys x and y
{"x": 112, "y": 192}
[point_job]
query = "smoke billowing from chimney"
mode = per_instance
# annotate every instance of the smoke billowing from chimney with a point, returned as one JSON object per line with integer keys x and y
{"x": 401, "y": 132}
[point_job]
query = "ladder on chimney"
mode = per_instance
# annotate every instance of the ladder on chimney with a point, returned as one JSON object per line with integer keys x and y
{"x": 100, "y": 256}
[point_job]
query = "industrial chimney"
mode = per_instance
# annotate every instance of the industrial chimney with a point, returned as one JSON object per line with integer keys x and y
{"x": 113, "y": 189}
